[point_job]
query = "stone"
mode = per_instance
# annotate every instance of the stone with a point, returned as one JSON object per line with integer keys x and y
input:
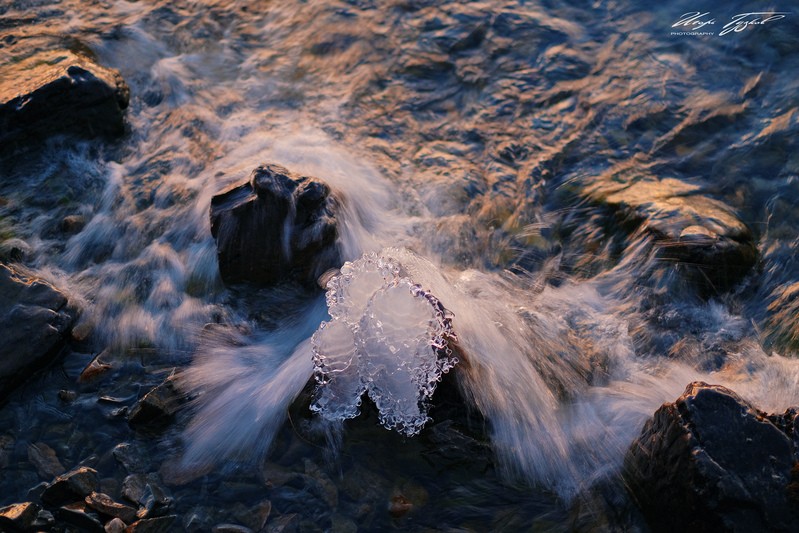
{"x": 287, "y": 523}
{"x": 131, "y": 458}
{"x": 711, "y": 462}
{"x": 115, "y": 526}
{"x": 154, "y": 501}
{"x": 73, "y": 486}
{"x": 35, "y": 320}
{"x": 162, "y": 524}
{"x": 703, "y": 238}
{"x": 230, "y": 528}
{"x": 157, "y": 406}
{"x": 105, "y": 505}
{"x": 18, "y": 516}
{"x": 77, "y": 514}
{"x": 45, "y": 460}
{"x": 277, "y": 226}
{"x": 96, "y": 368}
{"x": 133, "y": 487}
{"x": 15, "y": 251}
{"x": 59, "y": 91}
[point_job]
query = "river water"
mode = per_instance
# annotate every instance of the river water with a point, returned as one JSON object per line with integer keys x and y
{"x": 460, "y": 135}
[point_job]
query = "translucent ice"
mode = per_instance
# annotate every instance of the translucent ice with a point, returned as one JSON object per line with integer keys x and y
{"x": 387, "y": 337}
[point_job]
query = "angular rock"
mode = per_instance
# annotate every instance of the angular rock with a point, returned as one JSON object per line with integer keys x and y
{"x": 712, "y": 462}
{"x": 278, "y": 225}
{"x": 73, "y": 486}
{"x": 162, "y": 524}
{"x": 105, "y": 505}
{"x": 77, "y": 514}
{"x": 157, "y": 406}
{"x": 18, "y": 516}
{"x": 698, "y": 235}
{"x": 34, "y": 324}
{"x": 59, "y": 91}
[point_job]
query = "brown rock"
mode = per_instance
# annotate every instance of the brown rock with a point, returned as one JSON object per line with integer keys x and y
{"x": 18, "y": 516}
{"x": 103, "y": 504}
{"x": 71, "y": 487}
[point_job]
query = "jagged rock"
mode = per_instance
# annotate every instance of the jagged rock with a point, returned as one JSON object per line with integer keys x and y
{"x": 162, "y": 524}
{"x": 278, "y": 225}
{"x": 712, "y": 462}
{"x": 77, "y": 514}
{"x": 698, "y": 235}
{"x": 157, "y": 406}
{"x": 34, "y": 323}
{"x": 59, "y": 91}
{"x": 105, "y": 505}
{"x": 73, "y": 486}
{"x": 18, "y": 516}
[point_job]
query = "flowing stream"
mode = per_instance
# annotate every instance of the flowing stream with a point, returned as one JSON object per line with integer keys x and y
{"x": 453, "y": 135}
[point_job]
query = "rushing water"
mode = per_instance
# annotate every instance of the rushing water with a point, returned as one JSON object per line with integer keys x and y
{"x": 453, "y": 134}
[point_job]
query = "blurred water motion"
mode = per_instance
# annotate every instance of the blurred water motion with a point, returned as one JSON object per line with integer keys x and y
{"x": 553, "y": 166}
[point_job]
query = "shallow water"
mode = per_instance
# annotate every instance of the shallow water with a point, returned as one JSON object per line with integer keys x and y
{"x": 462, "y": 133}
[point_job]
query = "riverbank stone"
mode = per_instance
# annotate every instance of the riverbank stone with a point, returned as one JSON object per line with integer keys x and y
{"x": 59, "y": 91}
{"x": 278, "y": 225}
{"x": 710, "y": 461}
{"x": 35, "y": 320}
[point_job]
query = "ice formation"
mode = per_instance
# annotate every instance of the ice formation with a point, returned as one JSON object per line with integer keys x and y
{"x": 388, "y": 338}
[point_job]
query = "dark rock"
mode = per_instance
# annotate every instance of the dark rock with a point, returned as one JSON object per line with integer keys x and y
{"x": 105, "y": 505}
{"x": 699, "y": 236}
{"x": 711, "y": 462}
{"x": 154, "y": 501}
{"x": 277, "y": 226}
{"x": 133, "y": 487}
{"x": 67, "y": 396}
{"x": 71, "y": 487}
{"x": 162, "y": 524}
{"x": 115, "y": 526}
{"x": 73, "y": 224}
{"x": 59, "y": 92}
{"x": 288, "y": 523}
{"x": 77, "y": 514}
{"x": 131, "y": 458}
{"x": 44, "y": 520}
{"x": 157, "y": 406}
{"x": 18, "y": 516}
{"x": 45, "y": 460}
{"x": 230, "y": 528}
{"x": 34, "y": 324}
{"x": 15, "y": 251}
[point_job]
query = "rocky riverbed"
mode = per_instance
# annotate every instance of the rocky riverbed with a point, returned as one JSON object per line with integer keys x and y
{"x": 596, "y": 199}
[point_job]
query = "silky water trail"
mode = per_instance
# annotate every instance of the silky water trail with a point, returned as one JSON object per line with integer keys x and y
{"x": 552, "y": 367}
{"x": 527, "y": 348}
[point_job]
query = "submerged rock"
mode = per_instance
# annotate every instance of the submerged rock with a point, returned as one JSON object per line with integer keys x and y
{"x": 34, "y": 323}
{"x": 278, "y": 225}
{"x": 699, "y": 236}
{"x": 157, "y": 406}
{"x": 712, "y": 462}
{"x": 59, "y": 91}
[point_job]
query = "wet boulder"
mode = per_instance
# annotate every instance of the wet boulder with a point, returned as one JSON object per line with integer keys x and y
{"x": 278, "y": 225}
{"x": 699, "y": 236}
{"x": 18, "y": 516}
{"x": 712, "y": 462}
{"x": 35, "y": 320}
{"x": 59, "y": 91}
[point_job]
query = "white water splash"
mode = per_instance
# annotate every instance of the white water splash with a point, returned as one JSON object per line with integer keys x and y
{"x": 388, "y": 338}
